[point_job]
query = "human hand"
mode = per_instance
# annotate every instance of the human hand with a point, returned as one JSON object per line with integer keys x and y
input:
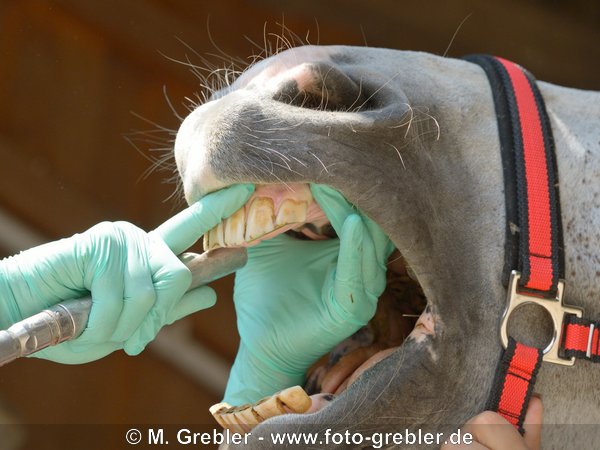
{"x": 491, "y": 431}
{"x": 136, "y": 281}
{"x": 295, "y": 300}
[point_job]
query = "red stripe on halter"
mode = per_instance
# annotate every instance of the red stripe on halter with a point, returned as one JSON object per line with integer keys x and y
{"x": 536, "y": 175}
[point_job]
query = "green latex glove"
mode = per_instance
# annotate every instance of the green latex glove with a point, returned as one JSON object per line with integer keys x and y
{"x": 136, "y": 281}
{"x": 295, "y": 300}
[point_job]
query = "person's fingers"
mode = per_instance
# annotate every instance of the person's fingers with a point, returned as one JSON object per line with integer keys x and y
{"x": 348, "y": 291}
{"x": 184, "y": 229}
{"x": 193, "y": 301}
{"x": 494, "y": 432}
{"x": 171, "y": 280}
{"x": 382, "y": 244}
{"x": 533, "y": 424}
{"x": 373, "y": 269}
{"x": 351, "y": 243}
{"x": 336, "y": 207}
{"x": 107, "y": 289}
{"x": 138, "y": 292}
{"x": 491, "y": 431}
{"x": 365, "y": 263}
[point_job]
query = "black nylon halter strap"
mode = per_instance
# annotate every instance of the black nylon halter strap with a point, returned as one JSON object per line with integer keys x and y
{"x": 533, "y": 229}
{"x": 521, "y": 171}
{"x": 534, "y": 241}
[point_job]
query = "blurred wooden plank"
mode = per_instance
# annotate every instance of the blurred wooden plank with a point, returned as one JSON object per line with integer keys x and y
{"x": 66, "y": 98}
{"x": 36, "y": 195}
{"x": 216, "y": 327}
{"x": 116, "y": 389}
{"x": 556, "y": 47}
{"x": 144, "y": 31}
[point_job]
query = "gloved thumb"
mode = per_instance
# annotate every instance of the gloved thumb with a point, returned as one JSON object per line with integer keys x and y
{"x": 193, "y": 301}
{"x": 184, "y": 229}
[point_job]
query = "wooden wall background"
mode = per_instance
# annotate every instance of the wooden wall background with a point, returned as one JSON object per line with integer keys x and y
{"x": 72, "y": 72}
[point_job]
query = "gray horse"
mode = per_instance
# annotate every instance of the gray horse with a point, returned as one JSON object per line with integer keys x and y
{"x": 411, "y": 139}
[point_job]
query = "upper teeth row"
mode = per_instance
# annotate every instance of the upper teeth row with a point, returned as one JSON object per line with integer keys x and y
{"x": 260, "y": 219}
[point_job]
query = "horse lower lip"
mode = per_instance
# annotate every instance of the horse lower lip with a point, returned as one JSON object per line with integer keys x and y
{"x": 373, "y": 357}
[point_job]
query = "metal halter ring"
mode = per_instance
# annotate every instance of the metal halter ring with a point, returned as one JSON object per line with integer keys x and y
{"x": 553, "y": 306}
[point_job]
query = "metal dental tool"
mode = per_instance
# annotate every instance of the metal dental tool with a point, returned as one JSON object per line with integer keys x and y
{"x": 68, "y": 319}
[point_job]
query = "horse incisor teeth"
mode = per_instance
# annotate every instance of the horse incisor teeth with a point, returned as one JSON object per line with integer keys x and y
{"x": 260, "y": 218}
{"x": 244, "y": 418}
{"x": 234, "y": 228}
{"x": 291, "y": 211}
{"x": 218, "y": 411}
{"x": 214, "y": 238}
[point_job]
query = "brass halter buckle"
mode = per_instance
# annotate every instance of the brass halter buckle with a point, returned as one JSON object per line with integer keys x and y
{"x": 554, "y": 306}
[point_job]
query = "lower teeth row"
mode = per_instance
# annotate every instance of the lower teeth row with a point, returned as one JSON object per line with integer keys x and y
{"x": 242, "y": 419}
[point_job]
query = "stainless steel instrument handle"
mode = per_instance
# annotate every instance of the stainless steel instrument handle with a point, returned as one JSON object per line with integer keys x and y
{"x": 68, "y": 319}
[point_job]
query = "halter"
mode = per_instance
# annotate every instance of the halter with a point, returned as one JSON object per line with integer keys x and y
{"x": 534, "y": 255}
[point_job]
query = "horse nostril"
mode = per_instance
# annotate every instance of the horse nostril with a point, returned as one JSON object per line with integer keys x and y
{"x": 321, "y": 86}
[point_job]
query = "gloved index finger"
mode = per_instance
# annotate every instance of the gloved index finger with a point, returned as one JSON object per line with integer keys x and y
{"x": 335, "y": 206}
{"x": 182, "y": 230}
{"x": 338, "y": 209}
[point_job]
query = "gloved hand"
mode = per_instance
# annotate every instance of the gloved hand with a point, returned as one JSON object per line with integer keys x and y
{"x": 136, "y": 281}
{"x": 295, "y": 300}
